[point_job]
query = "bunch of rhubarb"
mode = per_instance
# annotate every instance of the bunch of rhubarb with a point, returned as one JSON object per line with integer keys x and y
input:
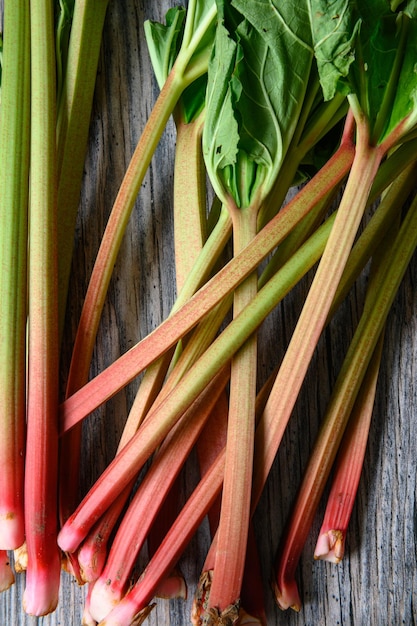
{"x": 295, "y": 162}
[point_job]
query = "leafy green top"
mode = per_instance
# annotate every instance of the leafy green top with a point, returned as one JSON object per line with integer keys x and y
{"x": 367, "y": 49}
{"x": 257, "y": 81}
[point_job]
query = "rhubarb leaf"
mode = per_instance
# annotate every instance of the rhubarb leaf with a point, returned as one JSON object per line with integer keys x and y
{"x": 253, "y": 97}
{"x": 366, "y": 50}
{"x": 164, "y": 42}
{"x": 64, "y": 13}
{"x": 334, "y": 36}
{"x": 193, "y": 99}
{"x": 197, "y": 13}
{"x": 409, "y": 7}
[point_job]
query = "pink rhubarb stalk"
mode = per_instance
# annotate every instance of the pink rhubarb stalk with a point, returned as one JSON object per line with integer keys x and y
{"x": 14, "y": 171}
{"x": 126, "y": 368}
{"x": 137, "y": 520}
{"x": 128, "y": 462}
{"x": 235, "y": 505}
{"x": 331, "y": 541}
{"x": 135, "y": 603}
{"x": 344, "y": 393}
{"x": 44, "y": 562}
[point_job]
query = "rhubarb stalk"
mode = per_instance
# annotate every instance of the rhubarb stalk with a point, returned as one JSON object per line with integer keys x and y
{"x": 14, "y": 174}
{"x": 44, "y": 562}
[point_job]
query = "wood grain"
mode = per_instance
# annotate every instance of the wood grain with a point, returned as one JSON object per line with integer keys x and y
{"x": 376, "y": 584}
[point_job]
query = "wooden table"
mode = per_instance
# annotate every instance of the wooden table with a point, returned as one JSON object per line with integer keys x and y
{"x": 376, "y": 584}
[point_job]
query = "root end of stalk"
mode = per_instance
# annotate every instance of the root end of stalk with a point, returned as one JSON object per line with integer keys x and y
{"x": 204, "y": 615}
{"x": 330, "y": 546}
{"x": 91, "y": 562}
{"x": 42, "y": 584}
{"x": 174, "y": 586}
{"x": 20, "y": 559}
{"x": 287, "y": 596}
{"x": 38, "y": 601}
{"x": 142, "y": 615}
{"x": 103, "y": 599}
{"x": 249, "y": 620}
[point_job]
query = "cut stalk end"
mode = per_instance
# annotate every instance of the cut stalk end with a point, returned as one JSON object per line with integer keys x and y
{"x": 202, "y": 613}
{"x": 41, "y": 591}
{"x": 124, "y": 616}
{"x": 287, "y": 596}
{"x": 173, "y": 586}
{"x": 330, "y": 546}
{"x": 103, "y": 599}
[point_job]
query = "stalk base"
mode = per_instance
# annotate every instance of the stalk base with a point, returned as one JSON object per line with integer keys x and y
{"x": 330, "y": 546}
{"x": 41, "y": 591}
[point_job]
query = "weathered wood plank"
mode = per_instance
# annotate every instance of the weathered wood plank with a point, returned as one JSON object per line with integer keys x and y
{"x": 377, "y": 582}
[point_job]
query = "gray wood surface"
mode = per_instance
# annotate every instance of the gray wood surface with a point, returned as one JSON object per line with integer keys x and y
{"x": 377, "y": 581}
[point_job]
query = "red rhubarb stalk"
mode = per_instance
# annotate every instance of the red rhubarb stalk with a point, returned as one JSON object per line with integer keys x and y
{"x": 344, "y": 393}
{"x": 331, "y": 541}
{"x": 44, "y": 561}
{"x": 135, "y": 525}
{"x": 129, "y": 461}
{"x": 120, "y": 373}
{"x": 14, "y": 171}
{"x": 136, "y": 601}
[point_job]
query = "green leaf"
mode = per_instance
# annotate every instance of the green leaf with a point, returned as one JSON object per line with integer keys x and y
{"x": 255, "y": 95}
{"x": 64, "y": 11}
{"x": 405, "y": 100}
{"x": 409, "y": 7}
{"x": 366, "y": 49}
{"x": 164, "y": 42}
{"x": 334, "y": 27}
{"x": 193, "y": 99}
{"x": 221, "y": 132}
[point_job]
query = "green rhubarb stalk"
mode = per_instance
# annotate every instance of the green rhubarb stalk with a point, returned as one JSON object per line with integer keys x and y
{"x": 73, "y": 121}
{"x": 190, "y": 64}
{"x": 189, "y": 197}
{"x": 233, "y": 533}
{"x": 127, "y": 463}
{"x": 75, "y": 100}
{"x": 344, "y": 393}
{"x": 330, "y": 544}
{"x": 14, "y": 173}
{"x": 137, "y": 520}
{"x": 44, "y": 562}
{"x": 124, "y": 369}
